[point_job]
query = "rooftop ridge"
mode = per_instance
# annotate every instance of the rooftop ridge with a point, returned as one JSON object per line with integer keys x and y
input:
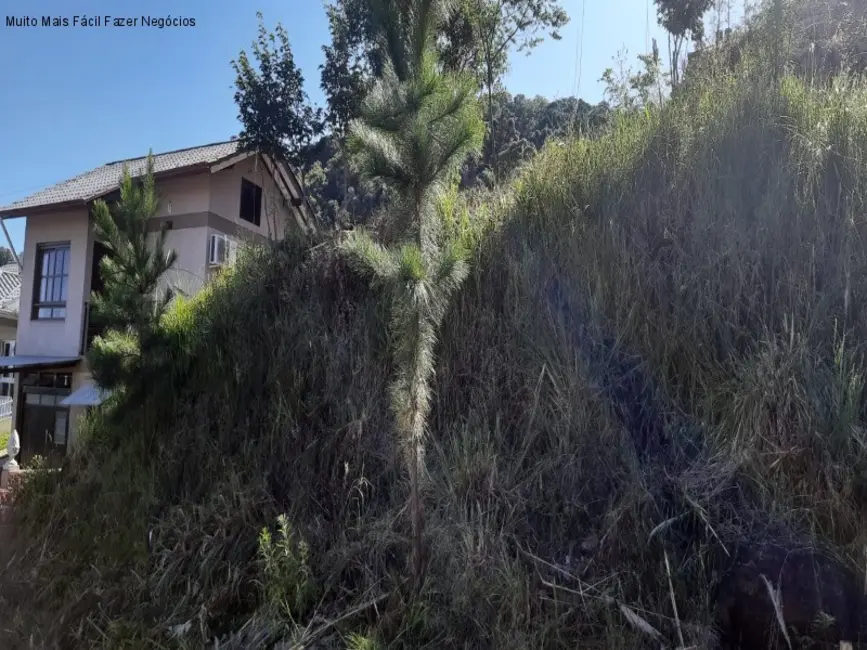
{"x": 165, "y": 153}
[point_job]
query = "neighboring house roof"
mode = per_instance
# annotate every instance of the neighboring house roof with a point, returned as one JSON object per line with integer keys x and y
{"x": 105, "y": 179}
{"x": 10, "y": 288}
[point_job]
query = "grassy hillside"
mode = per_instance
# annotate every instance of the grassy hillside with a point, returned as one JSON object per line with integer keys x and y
{"x": 657, "y": 357}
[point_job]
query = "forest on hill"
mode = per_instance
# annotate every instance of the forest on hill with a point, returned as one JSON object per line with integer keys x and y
{"x": 479, "y": 39}
{"x": 578, "y": 376}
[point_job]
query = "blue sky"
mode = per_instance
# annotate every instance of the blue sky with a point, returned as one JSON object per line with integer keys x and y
{"x": 73, "y": 98}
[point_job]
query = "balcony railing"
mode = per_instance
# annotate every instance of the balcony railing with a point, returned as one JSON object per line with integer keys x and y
{"x": 5, "y": 407}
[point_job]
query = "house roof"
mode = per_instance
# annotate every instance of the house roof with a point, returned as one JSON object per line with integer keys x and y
{"x": 102, "y": 180}
{"x": 10, "y": 288}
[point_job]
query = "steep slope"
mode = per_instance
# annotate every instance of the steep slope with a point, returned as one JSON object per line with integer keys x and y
{"x": 654, "y": 369}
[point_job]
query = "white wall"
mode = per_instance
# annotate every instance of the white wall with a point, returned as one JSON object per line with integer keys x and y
{"x": 59, "y": 337}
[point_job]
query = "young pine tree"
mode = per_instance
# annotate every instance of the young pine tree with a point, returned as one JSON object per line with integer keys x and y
{"x": 129, "y": 307}
{"x": 417, "y": 126}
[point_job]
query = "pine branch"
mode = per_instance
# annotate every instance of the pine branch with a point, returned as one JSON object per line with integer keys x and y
{"x": 417, "y": 125}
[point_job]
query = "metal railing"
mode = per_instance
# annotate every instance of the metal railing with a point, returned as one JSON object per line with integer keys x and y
{"x": 5, "y": 407}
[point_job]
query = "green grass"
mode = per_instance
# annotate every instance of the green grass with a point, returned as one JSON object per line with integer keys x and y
{"x": 5, "y": 430}
{"x": 719, "y": 241}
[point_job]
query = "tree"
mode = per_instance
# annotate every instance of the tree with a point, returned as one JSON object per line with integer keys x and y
{"x": 355, "y": 56}
{"x": 626, "y": 89}
{"x": 129, "y": 306}
{"x": 345, "y": 75}
{"x": 498, "y": 27}
{"x": 682, "y": 19}
{"x": 417, "y": 126}
{"x": 274, "y": 110}
{"x": 6, "y": 256}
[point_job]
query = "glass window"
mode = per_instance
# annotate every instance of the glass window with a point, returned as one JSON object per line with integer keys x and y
{"x": 51, "y": 281}
{"x": 61, "y": 421}
{"x": 251, "y": 202}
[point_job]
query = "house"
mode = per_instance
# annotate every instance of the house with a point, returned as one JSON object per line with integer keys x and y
{"x": 10, "y": 291}
{"x": 212, "y": 198}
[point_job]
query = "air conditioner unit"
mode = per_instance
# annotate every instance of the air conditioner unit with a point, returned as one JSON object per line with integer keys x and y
{"x": 218, "y": 250}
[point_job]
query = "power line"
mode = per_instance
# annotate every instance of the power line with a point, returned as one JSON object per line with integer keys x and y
{"x": 579, "y": 54}
{"x": 647, "y": 28}
{"x": 21, "y": 191}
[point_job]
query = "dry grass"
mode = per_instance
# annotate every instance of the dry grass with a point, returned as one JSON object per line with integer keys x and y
{"x": 657, "y": 356}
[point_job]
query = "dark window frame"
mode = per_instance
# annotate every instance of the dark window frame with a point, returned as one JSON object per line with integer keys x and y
{"x": 54, "y": 309}
{"x": 57, "y": 384}
{"x": 251, "y": 201}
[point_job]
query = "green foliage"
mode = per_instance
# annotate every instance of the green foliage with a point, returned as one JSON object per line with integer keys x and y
{"x": 497, "y": 27}
{"x": 356, "y": 641}
{"x": 285, "y": 571}
{"x": 345, "y": 74}
{"x": 524, "y": 124}
{"x": 355, "y": 56}
{"x": 476, "y": 39}
{"x": 6, "y": 256}
{"x": 275, "y": 113}
{"x": 717, "y": 241}
{"x": 129, "y": 306}
{"x": 628, "y": 90}
{"x": 418, "y": 124}
{"x": 682, "y": 19}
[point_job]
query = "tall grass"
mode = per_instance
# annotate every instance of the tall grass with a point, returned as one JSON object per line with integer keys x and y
{"x": 712, "y": 249}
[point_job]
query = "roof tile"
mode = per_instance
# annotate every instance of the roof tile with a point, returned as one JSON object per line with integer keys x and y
{"x": 106, "y": 178}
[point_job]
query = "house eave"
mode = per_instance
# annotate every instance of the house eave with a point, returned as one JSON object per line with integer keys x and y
{"x": 45, "y": 208}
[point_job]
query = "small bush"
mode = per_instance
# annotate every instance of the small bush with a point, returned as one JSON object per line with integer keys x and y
{"x": 285, "y": 572}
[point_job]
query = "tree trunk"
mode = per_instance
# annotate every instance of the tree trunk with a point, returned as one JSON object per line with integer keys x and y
{"x": 489, "y": 77}
{"x": 778, "y": 27}
{"x": 495, "y": 163}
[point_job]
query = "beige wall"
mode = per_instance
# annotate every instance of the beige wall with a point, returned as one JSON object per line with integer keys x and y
{"x": 191, "y": 268}
{"x": 185, "y": 194}
{"x": 60, "y": 337}
{"x": 226, "y": 198}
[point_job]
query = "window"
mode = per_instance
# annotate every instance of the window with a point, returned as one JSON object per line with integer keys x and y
{"x": 61, "y": 426}
{"x": 251, "y": 202}
{"x": 50, "y": 283}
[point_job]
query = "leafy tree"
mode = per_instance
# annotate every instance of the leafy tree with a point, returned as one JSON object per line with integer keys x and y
{"x": 346, "y": 73}
{"x": 129, "y": 306}
{"x": 273, "y": 108}
{"x": 526, "y": 124}
{"x": 6, "y": 256}
{"x": 682, "y": 19}
{"x": 341, "y": 196}
{"x": 626, "y": 89}
{"x": 500, "y": 26}
{"x": 416, "y": 128}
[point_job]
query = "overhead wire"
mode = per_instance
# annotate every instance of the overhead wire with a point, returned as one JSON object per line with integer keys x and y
{"x": 579, "y": 63}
